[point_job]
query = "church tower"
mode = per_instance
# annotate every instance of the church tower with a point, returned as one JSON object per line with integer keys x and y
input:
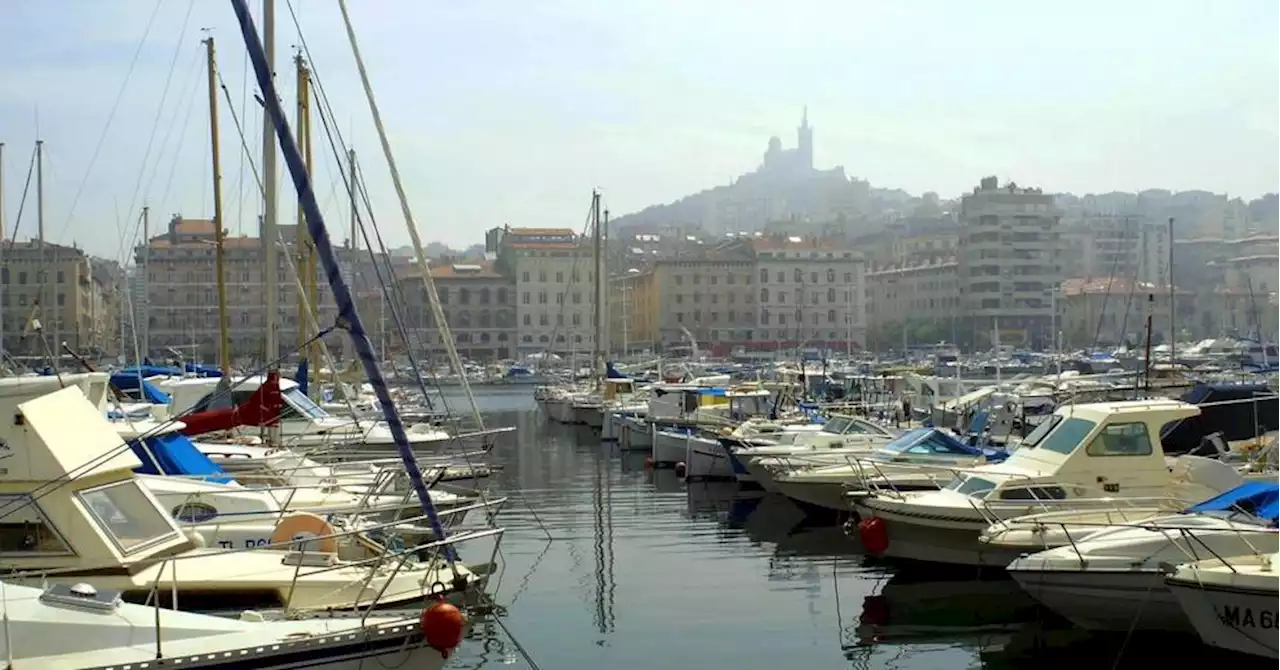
{"x": 805, "y": 141}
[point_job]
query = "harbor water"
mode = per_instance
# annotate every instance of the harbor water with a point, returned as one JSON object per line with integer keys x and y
{"x": 606, "y": 564}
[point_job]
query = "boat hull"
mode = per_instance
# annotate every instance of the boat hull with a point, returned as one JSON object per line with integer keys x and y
{"x": 588, "y": 415}
{"x": 668, "y": 447}
{"x": 1106, "y": 601}
{"x": 634, "y": 434}
{"x": 953, "y": 542}
{"x": 1227, "y": 617}
{"x": 827, "y": 495}
{"x": 706, "y": 459}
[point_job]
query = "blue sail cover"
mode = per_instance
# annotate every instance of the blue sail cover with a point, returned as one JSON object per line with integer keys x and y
{"x": 612, "y": 372}
{"x": 1261, "y": 499}
{"x": 146, "y": 390}
{"x": 175, "y": 454}
{"x": 301, "y": 376}
{"x": 149, "y": 370}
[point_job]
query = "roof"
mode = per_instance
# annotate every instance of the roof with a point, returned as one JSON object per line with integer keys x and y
{"x": 1116, "y": 286}
{"x": 241, "y": 242}
{"x": 545, "y": 245}
{"x": 540, "y": 231}
{"x": 779, "y": 242}
{"x": 478, "y": 268}
{"x": 194, "y": 227}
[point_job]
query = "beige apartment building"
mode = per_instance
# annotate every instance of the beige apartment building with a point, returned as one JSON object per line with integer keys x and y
{"x": 554, "y": 274}
{"x": 708, "y": 296}
{"x": 479, "y": 304}
{"x": 1008, "y": 264}
{"x": 80, "y": 309}
{"x": 177, "y": 276}
{"x": 1127, "y": 247}
{"x": 811, "y": 291}
{"x": 1114, "y": 311}
{"x": 913, "y": 302}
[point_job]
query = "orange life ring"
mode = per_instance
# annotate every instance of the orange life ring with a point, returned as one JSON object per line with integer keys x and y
{"x": 306, "y": 527}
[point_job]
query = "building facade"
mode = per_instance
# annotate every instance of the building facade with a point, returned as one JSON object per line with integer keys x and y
{"x": 708, "y": 297}
{"x": 1127, "y": 247}
{"x": 633, "y": 311}
{"x": 1008, "y": 264}
{"x": 1110, "y": 312}
{"x": 811, "y": 292}
{"x": 176, "y": 274}
{"x": 913, "y": 302}
{"x": 479, "y": 304}
{"x": 554, "y": 274}
{"x": 57, "y": 286}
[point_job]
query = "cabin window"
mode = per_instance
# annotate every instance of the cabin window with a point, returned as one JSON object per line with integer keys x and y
{"x": 1034, "y": 493}
{"x": 24, "y": 530}
{"x": 974, "y": 487}
{"x": 1067, "y": 436}
{"x": 127, "y": 515}
{"x": 194, "y": 512}
{"x": 1121, "y": 439}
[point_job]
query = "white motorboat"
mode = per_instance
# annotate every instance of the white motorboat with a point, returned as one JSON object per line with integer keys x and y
{"x": 98, "y": 521}
{"x": 752, "y": 451}
{"x": 620, "y": 393}
{"x": 677, "y": 411}
{"x": 1231, "y": 601}
{"x": 1113, "y": 578}
{"x": 1082, "y": 457}
{"x": 921, "y": 460}
{"x": 76, "y": 625}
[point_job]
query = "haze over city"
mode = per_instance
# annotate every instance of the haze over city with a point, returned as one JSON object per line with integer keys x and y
{"x": 502, "y": 113}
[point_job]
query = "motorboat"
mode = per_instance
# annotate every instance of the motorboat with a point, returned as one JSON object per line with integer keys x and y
{"x": 923, "y": 459}
{"x": 619, "y": 393}
{"x": 1113, "y": 578}
{"x": 752, "y": 455}
{"x": 77, "y": 625}
{"x": 1231, "y": 601}
{"x": 69, "y": 490}
{"x": 677, "y": 412}
{"x": 1083, "y": 456}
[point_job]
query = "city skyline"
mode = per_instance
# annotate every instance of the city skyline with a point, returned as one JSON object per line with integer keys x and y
{"x": 1086, "y": 106}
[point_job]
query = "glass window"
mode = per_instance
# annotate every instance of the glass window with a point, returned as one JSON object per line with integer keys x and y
{"x": 1034, "y": 493}
{"x": 1121, "y": 439}
{"x": 299, "y": 403}
{"x": 974, "y": 487}
{"x": 25, "y": 530}
{"x": 1067, "y": 436}
{"x": 835, "y": 425}
{"x": 127, "y": 515}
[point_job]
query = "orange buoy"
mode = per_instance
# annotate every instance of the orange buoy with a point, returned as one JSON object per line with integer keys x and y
{"x": 874, "y": 536}
{"x": 306, "y": 530}
{"x": 442, "y": 626}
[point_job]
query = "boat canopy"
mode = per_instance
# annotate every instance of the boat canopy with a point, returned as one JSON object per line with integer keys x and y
{"x": 146, "y": 390}
{"x": 936, "y": 442}
{"x": 175, "y": 454}
{"x": 1259, "y": 499}
{"x": 162, "y": 370}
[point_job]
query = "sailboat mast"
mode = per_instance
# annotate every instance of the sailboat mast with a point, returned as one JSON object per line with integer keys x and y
{"x": 306, "y": 262}
{"x": 219, "y": 253}
{"x": 355, "y": 234}
{"x": 269, "y": 234}
{"x": 146, "y": 278}
{"x": 597, "y": 354}
{"x": 42, "y": 273}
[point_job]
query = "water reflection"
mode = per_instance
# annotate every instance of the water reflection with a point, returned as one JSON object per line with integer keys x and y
{"x": 646, "y": 571}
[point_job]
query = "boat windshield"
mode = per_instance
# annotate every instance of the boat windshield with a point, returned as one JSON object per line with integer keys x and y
{"x": 836, "y": 425}
{"x": 301, "y": 405}
{"x": 128, "y": 516}
{"x": 974, "y": 487}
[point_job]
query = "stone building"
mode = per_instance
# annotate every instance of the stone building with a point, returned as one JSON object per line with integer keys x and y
{"x": 913, "y": 302}
{"x": 479, "y": 304}
{"x": 810, "y": 292}
{"x": 79, "y": 308}
{"x": 554, "y": 274}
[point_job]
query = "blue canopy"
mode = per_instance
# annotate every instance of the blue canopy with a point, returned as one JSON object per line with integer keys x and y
{"x": 936, "y": 442}
{"x": 175, "y": 454}
{"x": 1261, "y": 499}
{"x": 148, "y": 370}
{"x": 612, "y": 372}
{"x": 146, "y": 391}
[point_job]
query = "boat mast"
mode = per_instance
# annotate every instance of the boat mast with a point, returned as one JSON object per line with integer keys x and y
{"x": 219, "y": 252}
{"x": 146, "y": 278}
{"x": 1173, "y": 331}
{"x": 2, "y": 240}
{"x": 269, "y": 234}
{"x": 597, "y": 350}
{"x": 306, "y": 261}
{"x": 42, "y": 273}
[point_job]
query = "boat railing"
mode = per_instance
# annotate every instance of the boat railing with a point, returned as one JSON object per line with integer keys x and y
{"x": 400, "y": 556}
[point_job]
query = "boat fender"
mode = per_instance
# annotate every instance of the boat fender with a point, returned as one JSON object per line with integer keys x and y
{"x": 306, "y": 527}
{"x": 681, "y": 469}
{"x": 442, "y": 626}
{"x": 874, "y": 536}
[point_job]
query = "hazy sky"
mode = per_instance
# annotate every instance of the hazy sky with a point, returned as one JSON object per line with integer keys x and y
{"x": 512, "y": 112}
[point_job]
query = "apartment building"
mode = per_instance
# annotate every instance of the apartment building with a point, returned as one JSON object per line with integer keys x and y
{"x": 1126, "y": 247}
{"x": 479, "y": 304}
{"x": 79, "y": 308}
{"x": 810, "y": 291}
{"x": 1007, "y": 256}
{"x": 554, "y": 274}
{"x": 913, "y": 302}
{"x": 633, "y": 311}
{"x": 177, "y": 276}
{"x": 708, "y": 296}
{"x": 1114, "y": 311}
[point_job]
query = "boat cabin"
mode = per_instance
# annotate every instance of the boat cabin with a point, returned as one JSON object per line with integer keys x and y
{"x": 1086, "y": 450}
{"x": 618, "y": 388}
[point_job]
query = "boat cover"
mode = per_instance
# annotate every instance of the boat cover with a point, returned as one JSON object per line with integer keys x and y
{"x": 1260, "y": 499}
{"x": 175, "y": 454}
